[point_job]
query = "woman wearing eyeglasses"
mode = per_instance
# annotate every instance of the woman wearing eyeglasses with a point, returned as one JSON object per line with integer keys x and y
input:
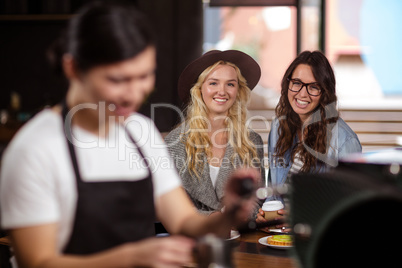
{"x": 307, "y": 135}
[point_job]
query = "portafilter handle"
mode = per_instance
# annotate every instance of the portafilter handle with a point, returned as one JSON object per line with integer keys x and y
{"x": 213, "y": 252}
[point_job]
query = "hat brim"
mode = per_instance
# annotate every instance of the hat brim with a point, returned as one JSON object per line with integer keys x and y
{"x": 249, "y": 68}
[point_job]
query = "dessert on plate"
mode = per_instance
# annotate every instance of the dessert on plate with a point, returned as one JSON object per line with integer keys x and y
{"x": 280, "y": 240}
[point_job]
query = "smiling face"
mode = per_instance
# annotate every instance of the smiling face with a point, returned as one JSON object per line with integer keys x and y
{"x": 219, "y": 90}
{"x": 302, "y": 103}
{"x": 123, "y": 86}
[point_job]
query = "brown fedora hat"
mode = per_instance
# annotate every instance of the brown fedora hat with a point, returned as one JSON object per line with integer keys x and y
{"x": 249, "y": 68}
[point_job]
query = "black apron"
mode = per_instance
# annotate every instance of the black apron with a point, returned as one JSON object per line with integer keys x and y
{"x": 109, "y": 213}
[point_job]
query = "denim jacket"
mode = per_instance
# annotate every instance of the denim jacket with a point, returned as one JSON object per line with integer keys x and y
{"x": 343, "y": 142}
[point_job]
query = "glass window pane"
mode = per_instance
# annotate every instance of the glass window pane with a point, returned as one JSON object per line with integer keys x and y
{"x": 365, "y": 35}
{"x": 310, "y": 25}
{"x": 268, "y": 34}
{"x": 363, "y": 45}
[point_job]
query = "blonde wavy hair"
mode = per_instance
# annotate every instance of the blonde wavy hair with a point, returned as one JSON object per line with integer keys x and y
{"x": 198, "y": 142}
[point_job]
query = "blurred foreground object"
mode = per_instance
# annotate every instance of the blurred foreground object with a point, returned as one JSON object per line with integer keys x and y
{"x": 213, "y": 252}
{"x": 351, "y": 216}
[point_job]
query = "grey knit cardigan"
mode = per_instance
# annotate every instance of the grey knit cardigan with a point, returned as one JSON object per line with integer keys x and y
{"x": 205, "y": 197}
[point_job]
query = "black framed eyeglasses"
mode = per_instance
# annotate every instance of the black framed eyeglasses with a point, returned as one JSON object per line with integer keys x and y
{"x": 313, "y": 89}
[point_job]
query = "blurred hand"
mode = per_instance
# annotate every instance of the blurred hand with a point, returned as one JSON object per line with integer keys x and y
{"x": 173, "y": 251}
{"x": 261, "y": 219}
{"x": 284, "y": 227}
{"x": 236, "y": 206}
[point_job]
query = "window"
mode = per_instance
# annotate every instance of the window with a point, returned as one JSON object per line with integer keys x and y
{"x": 268, "y": 34}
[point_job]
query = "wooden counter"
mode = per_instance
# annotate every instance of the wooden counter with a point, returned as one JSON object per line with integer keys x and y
{"x": 248, "y": 253}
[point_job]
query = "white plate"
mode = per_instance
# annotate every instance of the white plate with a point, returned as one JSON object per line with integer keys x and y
{"x": 263, "y": 241}
{"x": 233, "y": 235}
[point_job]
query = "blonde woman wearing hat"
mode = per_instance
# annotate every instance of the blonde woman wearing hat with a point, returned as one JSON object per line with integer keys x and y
{"x": 214, "y": 139}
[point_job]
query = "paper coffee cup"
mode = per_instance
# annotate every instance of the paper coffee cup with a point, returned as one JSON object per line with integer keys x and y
{"x": 271, "y": 208}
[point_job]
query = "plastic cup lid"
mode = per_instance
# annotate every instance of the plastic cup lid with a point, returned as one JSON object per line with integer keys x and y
{"x": 272, "y": 205}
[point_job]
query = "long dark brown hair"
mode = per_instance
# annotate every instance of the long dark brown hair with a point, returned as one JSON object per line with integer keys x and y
{"x": 316, "y": 131}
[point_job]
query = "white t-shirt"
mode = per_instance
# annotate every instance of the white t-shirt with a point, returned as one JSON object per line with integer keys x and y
{"x": 38, "y": 184}
{"x": 213, "y": 173}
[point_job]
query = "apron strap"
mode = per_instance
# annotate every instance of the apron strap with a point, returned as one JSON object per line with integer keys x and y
{"x": 69, "y": 135}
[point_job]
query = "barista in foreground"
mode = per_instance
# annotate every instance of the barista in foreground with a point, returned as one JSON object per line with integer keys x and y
{"x": 71, "y": 195}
